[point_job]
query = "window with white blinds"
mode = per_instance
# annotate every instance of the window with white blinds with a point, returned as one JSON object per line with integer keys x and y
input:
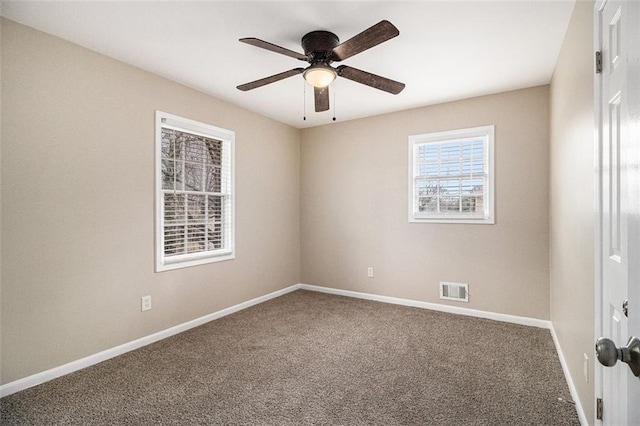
{"x": 451, "y": 176}
{"x": 194, "y": 185}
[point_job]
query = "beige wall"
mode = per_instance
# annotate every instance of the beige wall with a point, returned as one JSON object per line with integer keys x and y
{"x": 354, "y": 208}
{"x": 78, "y": 205}
{"x": 572, "y": 200}
{"x": 0, "y": 199}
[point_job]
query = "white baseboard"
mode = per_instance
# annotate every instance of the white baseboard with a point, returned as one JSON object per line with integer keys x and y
{"x": 567, "y": 375}
{"x": 45, "y": 376}
{"x": 533, "y": 322}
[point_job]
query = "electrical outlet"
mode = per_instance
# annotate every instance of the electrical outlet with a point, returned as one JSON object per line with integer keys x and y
{"x": 585, "y": 368}
{"x": 370, "y": 272}
{"x": 146, "y": 303}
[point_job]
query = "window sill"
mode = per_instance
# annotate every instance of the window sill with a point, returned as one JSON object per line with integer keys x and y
{"x": 482, "y": 221}
{"x": 179, "y": 264}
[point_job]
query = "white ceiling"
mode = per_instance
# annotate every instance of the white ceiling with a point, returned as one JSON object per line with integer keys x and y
{"x": 446, "y": 50}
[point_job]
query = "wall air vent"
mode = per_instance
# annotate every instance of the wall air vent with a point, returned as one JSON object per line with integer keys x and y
{"x": 454, "y": 291}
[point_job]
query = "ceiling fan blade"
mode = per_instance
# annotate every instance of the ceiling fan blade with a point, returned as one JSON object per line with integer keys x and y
{"x": 270, "y": 79}
{"x": 274, "y": 48}
{"x": 369, "y": 79}
{"x": 321, "y": 95}
{"x": 373, "y": 36}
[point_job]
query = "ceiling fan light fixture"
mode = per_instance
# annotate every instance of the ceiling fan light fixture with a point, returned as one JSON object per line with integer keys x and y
{"x": 319, "y": 75}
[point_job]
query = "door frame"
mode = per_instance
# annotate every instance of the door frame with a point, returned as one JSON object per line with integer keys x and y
{"x": 598, "y": 281}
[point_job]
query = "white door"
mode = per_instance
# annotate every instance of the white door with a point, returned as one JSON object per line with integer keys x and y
{"x": 618, "y": 108}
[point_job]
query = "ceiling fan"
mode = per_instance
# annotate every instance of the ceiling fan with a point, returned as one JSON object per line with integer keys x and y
{"x": 321, "y": 48}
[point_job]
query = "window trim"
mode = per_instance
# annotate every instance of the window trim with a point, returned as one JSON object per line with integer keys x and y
{"x": 484, "y": 131}
{"x": 201, "y": 129}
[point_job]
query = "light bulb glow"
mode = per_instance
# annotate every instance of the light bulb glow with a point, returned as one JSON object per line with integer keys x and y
{"x": 319, "y": 76}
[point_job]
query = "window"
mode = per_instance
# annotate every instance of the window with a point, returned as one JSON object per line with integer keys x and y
{"x": 194, "y": 193}
{"x": 451, "y": 176}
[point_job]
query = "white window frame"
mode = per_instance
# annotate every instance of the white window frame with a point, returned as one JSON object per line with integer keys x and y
{"x": 484, "y": 132}
{"x": 163, "y": 263}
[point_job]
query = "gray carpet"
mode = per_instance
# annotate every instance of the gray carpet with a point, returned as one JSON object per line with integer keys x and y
{"x": 311, "y": 358}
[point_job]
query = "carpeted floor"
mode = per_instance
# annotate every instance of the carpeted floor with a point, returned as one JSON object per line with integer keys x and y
{"x": 311, "y": 358}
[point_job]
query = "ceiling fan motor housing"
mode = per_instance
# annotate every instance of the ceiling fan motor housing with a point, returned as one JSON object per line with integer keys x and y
{"x": 319, "y": 44}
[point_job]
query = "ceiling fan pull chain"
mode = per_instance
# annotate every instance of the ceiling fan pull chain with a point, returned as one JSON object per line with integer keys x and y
{"x": 334, "y": 103}
{"x": 304, "y": 100}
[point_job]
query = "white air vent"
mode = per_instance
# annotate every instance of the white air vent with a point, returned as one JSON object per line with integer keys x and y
{"x": 454, "y": 291}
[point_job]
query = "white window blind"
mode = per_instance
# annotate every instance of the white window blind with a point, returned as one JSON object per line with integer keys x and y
{"x": 195, "y": 194}
{"x": 451, "y": 176}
